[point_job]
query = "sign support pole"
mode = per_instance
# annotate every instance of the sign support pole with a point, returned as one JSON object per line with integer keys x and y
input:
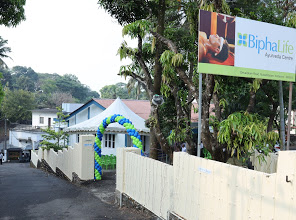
{"x": 5, "y": 134}
{"x": 199, "y": 114}
{"x": 289, "y": 115}
{"x": 282, "y": 121}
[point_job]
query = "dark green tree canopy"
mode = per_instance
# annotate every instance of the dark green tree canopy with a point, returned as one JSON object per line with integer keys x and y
{"x": 127, "y": 11}
{"x": 120, "y": 90}
{"x": 49, "y": 90}
{"x": 12, "y": 12}
{"x": 17, "y": 105}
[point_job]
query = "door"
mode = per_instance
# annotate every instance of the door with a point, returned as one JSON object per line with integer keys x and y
{"x": 49, "y": 122}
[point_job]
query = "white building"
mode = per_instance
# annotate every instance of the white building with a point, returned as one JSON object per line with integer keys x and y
{"x": 44, "y": 118}
{"x": 24, "y": 138}
{"x": 115, "y": 134}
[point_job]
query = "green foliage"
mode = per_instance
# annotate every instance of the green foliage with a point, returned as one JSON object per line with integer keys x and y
{"x": 126, "y": 52}
{"x": 137, "y": 28}
{"x": 49, "y": 90}
{"x": 178, "y": 135}
{"x": 127, "y": 11}
{"x": 243, "y": 133}
{"x": 17, "y": 105}
{"x": 271, "y": 11}
{"x": 169, "y": 59}
{"x": 3, "y": 51}
{"x": 120, "y": 90}
{"x": 69, "y": 83}
{"x": 207, "y": 154}
{"x": 12, "y": 12}
{"x": 256, "y": 85}
{"x": 55, "y": 139}
{"x": 234, "y": 94}
{"x": 166, "y": 60}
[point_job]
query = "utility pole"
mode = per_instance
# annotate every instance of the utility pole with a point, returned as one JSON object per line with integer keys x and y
{"x": 199, "y": 115}
{"x": 5, "y": 134}
{"x": 289, "y": 115}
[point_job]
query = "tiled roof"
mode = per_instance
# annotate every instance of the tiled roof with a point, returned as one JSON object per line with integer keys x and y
{"x": 140, "y": 107}
{"x": 47, "y": 110}
{"x": 194, "y": 116}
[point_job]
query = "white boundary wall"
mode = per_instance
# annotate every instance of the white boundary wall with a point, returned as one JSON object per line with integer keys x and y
{"x": 267, "y": 166}
{"x": 78, "y": 159}
{"x": 197, "y": 188}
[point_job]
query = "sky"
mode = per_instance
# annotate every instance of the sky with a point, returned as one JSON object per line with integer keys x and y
{"x": 68, "y": 37}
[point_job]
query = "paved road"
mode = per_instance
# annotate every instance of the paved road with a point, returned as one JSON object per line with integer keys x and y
{"x": 28, "y": 193}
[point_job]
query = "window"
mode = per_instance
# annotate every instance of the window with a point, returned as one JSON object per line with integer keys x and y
{"x": 77, "y": 141}
{"x": 129, "y": 142}
{"x": 143, "y": 142}
{"x": 109, "y": 140}
{"x": 41, "y": 120}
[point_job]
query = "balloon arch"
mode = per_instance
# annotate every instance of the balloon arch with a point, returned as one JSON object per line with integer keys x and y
{"x": 135, "y": 136}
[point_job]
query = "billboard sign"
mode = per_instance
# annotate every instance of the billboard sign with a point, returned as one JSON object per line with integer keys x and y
{"x": 241, "y": 47}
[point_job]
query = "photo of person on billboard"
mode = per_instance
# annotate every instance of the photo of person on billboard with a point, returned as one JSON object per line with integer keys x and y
{"x": 216, "y": 38}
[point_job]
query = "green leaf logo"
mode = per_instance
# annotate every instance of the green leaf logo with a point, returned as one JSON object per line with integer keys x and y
{"x": 242, "y": 39}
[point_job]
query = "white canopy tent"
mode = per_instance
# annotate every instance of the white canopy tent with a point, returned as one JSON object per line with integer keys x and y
{"x": 117, "y": 107}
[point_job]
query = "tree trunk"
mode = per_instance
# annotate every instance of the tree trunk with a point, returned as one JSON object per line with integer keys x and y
{"x": 272, "y": 117}
{"x": 165, "y": 147}
{"x": 251, "y": 104}
{"x": 153, "y": 142}
{"x": 273, "y": 110}
{"x": 206, "y": 99}
{"x": 157, "y": 74}
{"x": 159, "y": 47}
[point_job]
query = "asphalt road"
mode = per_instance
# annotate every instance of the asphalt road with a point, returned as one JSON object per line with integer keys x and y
{"x": 29, "y": 193}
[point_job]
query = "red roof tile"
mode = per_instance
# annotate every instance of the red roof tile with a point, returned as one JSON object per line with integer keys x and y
{"x": 194, "y": 116}
{"x": 142, "y": 107}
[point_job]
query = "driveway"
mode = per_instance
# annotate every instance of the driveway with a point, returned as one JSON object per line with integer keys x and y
{"x": 29, "y": 193}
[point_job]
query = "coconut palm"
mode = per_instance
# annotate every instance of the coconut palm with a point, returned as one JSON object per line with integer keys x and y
{"x": 3, "y": 51}
{"x": 134, "y": 86}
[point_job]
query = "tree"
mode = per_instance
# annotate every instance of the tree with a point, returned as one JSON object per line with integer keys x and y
{"x": 109, "y": 92}
{"x": 127, "y": 11}
{"x": 57, "y": 98}
{"x": 122, "y": 91}
{"x": 49, "y": 86}
{"x": 147, "y": 56}
{"x": 152, "y": 72}
{"x": 3, "y": 52}
{"x": 243, "y": 133}
{"x": 25, "y": 78}
{"x": 6, "y": 79}
{"x": 70, "y": 84}
{"x": 12, "y": 12}
{"x": 17, "y": 105}
{"x": 136, "y": 89}
{"x": 167, "y": 57}
{"x": 56, "y": 139}
{"x": 44, "y": 86}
